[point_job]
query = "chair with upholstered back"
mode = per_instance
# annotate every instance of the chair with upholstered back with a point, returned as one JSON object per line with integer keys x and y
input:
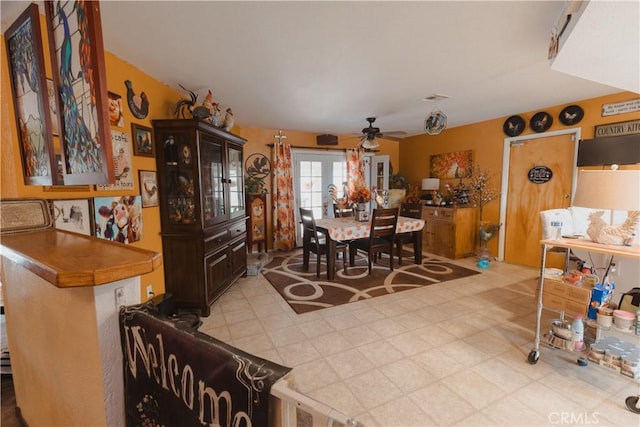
{"x": 314, "y": 241}
{"x": 381, "y": 237}
{"x": 409, "y": 210}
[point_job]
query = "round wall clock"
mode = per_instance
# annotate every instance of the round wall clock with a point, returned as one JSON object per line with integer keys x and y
{"x": 257, "y": 165}
{"x": 571, "y": 115}
{"x": 513, "y": 126}
{"x": 540, "y": 122}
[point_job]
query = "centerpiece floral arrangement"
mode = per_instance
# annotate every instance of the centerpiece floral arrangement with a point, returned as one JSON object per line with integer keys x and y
{"x": 360, "y": 194}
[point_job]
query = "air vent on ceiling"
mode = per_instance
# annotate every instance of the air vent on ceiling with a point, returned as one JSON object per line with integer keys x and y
{"x": 435, "y": 98}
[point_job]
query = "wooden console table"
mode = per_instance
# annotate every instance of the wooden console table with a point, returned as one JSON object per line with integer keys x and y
{"x": 60, "y": 292}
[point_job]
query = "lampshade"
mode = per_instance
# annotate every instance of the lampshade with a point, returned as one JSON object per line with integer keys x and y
{"x": 430, "y": 184}
{"x": 608, "y": 190}
{"x": 369, "y": 144}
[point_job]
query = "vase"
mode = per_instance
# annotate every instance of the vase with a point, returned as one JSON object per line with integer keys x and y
{"x": 361, "y": 212}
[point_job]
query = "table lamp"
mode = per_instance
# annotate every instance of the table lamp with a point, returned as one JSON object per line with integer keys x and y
{"x": 610, "y": 190}
{"x": 431, "y": 185}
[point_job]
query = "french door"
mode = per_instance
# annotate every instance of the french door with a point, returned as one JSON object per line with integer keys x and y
{"x": 313, "y": 173}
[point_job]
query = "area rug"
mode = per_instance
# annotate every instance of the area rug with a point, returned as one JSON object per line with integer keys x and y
{"x": 305, "y": 292}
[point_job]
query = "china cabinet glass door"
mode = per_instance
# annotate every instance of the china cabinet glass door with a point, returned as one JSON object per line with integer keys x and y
{"x": 235, "y": 183}
{"x": 212, "y": 178}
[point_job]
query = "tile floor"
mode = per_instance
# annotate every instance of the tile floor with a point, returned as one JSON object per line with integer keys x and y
{"x": 448, "y": 354}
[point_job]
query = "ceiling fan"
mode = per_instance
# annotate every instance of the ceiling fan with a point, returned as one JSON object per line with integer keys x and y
{"x": 371, "y": 134}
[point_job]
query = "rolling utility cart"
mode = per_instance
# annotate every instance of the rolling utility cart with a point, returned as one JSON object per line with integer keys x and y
{"x": 632, "y": 252}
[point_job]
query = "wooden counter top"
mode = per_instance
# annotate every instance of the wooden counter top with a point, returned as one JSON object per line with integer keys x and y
{"x": 68, "y": 259}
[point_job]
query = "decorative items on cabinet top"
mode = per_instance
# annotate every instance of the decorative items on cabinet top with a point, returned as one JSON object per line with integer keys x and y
{"x": 209, "y": 111}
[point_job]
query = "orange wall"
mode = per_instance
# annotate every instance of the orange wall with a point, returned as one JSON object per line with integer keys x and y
{"x": 486, "y": 140}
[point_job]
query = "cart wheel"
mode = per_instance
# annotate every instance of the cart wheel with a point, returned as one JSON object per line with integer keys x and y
{"x": 632, "y": 404}
{"x": 533, "y": 357}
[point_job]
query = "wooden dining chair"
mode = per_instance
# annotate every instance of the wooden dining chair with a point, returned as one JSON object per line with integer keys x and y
{"x": 409, "y": 210}
{"x": 314, "y": 241}
{"x": 342, "y": 212}
{"x": 381, "y": 237}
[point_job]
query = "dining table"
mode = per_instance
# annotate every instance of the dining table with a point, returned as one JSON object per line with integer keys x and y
{"x": 348, "y": 228}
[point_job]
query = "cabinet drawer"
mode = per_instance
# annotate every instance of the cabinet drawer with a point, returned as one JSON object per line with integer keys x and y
{"x": 215, "y": 240}
{"x": 237, "y": 229}
{"x": 438, "y": 213}
{"x": 563, "y": 304}
{"x": 569, "y": 292}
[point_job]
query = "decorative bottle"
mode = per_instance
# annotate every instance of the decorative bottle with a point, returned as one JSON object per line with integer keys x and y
{"x": 577, "y": 333}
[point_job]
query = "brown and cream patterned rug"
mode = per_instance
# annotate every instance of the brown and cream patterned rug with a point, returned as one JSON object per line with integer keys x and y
{"x": 305, "y": 292}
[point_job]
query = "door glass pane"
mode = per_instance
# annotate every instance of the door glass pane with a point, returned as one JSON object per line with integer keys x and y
{"x": 236, "y": 184}
{"x": 339, "y": 178}
{"x": 311, "y": 186}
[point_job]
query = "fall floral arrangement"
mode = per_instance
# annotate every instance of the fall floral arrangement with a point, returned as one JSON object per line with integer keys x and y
{"x": 412, "y": 195}
{"x": 360, "y": 195}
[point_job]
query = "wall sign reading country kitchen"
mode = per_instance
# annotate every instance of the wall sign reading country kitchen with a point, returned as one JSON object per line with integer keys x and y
{"x": 631, "y": 127}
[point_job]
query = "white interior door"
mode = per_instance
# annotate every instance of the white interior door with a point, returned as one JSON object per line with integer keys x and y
{"x": 313, "y": 173}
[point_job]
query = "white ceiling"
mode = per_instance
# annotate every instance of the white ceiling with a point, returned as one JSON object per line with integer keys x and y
{"x": 325, "y": 66}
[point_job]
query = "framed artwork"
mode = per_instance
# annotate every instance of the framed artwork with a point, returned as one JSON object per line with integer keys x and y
{"x": 118, "y": 218}
{"x": 257, "y": 223}
{"x": 30, "y": 100}
{"x": 53, "y": 108}
{"x": 122, "y": 163}
{"x": 77, "y": 59}
{"x": 73, "y": 215}
{"x": 148, "y": 188}
{"x": 142, "y": 140}
{"x": 116, "y": 118}
{"x": 452, "y": 165}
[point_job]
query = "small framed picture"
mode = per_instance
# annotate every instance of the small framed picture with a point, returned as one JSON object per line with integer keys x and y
{"x": 116, "y": 118}
{"x": 148, "y": 188}
{"x": 142, "y": 140}
{"x": 73, "y": 215}
{"x": 118, "y": 218}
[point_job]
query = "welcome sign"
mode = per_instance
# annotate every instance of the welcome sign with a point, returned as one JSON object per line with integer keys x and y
{"x": 176, "y": 377}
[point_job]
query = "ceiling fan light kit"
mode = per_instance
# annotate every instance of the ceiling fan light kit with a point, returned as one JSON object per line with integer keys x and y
{"x": 369, "y": 143}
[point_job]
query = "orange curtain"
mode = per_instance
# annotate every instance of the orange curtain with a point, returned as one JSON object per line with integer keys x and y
{"x": 355, "y": 169}
{"x": 284, "y": 223}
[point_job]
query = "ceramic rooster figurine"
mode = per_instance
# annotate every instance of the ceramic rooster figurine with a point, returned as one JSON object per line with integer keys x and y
{"x": 216, "y": 116}
{"x": 228, "y": 120}
{"x": 204, "y": 111}
{"x": 600, "y": 232}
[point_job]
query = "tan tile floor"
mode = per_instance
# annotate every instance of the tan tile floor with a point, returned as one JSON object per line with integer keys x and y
{"x": 448, "y": 354}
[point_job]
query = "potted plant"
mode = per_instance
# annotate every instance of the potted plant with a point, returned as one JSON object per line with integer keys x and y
{"x": 480, "y": 193}
{"x": 254, "y": 185}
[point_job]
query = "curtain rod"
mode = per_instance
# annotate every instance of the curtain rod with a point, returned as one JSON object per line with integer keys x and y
{"x": 322, "y": 148}
{"x": 312, "y": 148}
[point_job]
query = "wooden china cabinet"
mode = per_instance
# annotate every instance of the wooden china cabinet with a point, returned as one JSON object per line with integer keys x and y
{"x": 202, "y": 210}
